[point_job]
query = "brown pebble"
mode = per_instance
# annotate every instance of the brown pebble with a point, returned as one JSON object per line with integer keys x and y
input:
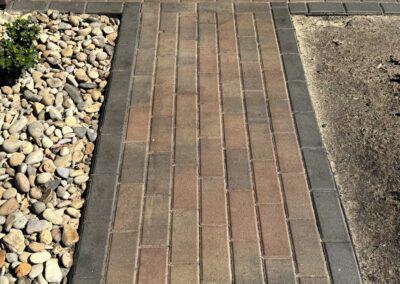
{"x": 23, "y": 269}
{"x": 2, "y": 258}
{"x": 36, "y": 247}
{"x": 8, "y": 207}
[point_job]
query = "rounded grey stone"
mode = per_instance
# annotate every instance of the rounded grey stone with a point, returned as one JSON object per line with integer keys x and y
{"x": 34, "y": 157}
{"x": 91, "y": 135}
{"x": 11, "y": 257}
{"x": 36, "y": 226}
{"x": 63, "y": 172}
{"x": 35, "y": 129}
{"x": 9, "y": 193}
{"x": 38, "y": 207}
{"x": 74, "y": 93}
{"x": 80, "y": 131}
{"x": 11, "y": 145}
{"x": 18, "y": 125}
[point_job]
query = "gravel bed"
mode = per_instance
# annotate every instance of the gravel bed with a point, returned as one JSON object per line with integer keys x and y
{"x": 48, "y": 127}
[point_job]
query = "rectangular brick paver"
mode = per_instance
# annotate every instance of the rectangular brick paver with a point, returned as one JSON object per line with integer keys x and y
{"x": 260, "y": 142}
{"x": 211, "y": 159}
{"x": 307, "y": 248}
{"x": 297, "y": 198}
{"x": 122, "y": 257}
{"x": 138, "y": 124}
{"x": 247, "y": 262}
{"x": 288, "y": 153}
{"x": 234, "y": 128}
{"x": 213, "y": 202}
{"x": 274, "y": 232}
{"x": 266, "y": 182}
{"x": 161, "y": 134}
{"x": 183, "y": 274}
{"x": 215, "y": 260}
{"x": 155, "y": 221}
{"x": 184, "y": 237}
{"x": 185, "y": 187}
{"x": 238, "y": 169}
{"x": 159, "y": 174}
{"x": 243, "y": 222}
{"x": 133, "y": 163}
{"x": 280, "y": 271}
{"x": 129, "y": 206}
{"x": 212, "y": 185}
{"x": 152, "y": 265}
{"x": 163, "y": 100}
{"x": 186, "y": 130}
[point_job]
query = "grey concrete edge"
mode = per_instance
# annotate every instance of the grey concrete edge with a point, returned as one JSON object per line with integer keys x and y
{"x": 91, "y": 254}
{"x": 331, "y": 220}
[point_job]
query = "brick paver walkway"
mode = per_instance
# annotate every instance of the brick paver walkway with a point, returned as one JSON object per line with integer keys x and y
{"x": 213, "y": 188}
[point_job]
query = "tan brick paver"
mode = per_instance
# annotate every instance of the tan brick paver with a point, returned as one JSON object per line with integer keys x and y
{"x": 212, "y": 188}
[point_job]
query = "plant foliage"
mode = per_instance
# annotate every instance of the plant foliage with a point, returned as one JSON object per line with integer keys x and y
{"x": 17, "y": 50}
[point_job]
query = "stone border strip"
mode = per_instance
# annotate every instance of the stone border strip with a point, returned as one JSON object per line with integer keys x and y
{"x": 91, "y": 253}
{"x": 348, "y": 8}
{"x": 336, "y": 240}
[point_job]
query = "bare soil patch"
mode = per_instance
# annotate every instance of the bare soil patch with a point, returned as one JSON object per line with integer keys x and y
{"x": 352, "y": 66}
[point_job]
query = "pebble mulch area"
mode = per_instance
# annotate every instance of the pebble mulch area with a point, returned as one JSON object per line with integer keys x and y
{"x": 48, "y": 127}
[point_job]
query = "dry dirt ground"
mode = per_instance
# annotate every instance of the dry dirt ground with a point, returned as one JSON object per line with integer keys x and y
{"x": 352, "y": 66}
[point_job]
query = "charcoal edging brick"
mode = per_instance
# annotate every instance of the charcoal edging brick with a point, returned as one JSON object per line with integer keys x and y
{"x": 326, "y": 8}
{"x": 390, "y": 8}
{"x": 333, "y": 8}
{"x": 298, "y": 8}
{"x": 78, "y": 7}
{"x": 104, "y": 7}
{"x": 91, "y": 254}
{"x": 29, "y": 5}
{"x": 364, "y": 7}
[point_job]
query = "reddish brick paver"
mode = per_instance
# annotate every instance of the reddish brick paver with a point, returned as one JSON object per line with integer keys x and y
{"x": 212, "y": 188}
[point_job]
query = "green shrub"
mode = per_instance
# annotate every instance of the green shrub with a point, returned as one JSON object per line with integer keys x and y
{"x": 17, "y": 51}
{"x": 23, "y": 32}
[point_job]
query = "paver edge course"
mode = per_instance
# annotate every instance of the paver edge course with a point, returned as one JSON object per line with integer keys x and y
{"x": 312, "y": 162}
{"x": 350, "y": 8}
{"x": 97, "y": 245}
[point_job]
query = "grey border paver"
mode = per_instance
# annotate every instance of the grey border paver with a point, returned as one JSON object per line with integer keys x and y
{"x": 364, "y": 8}
{"x": 95, "y": 230}
{"x": 326, "y": 8}
{"x": 30, "y": 5}
{"x": 318, "y": 170}
{"x": 335, "y": 7}
{"x": 287, "y": 40}
{"x": 281, "y": 17}
{"x": 391, "y": 8}
{"x": 298, "y": 8}
{"x": 104, "y": 8}
{"x": 293, "y": 67}
{"x": 75, "y": 7}
{"x": 309, "y": 135}
{"x": 299, "y": 96}
{"x": 330, "y": 216}
{"x": 343, "y": 262}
